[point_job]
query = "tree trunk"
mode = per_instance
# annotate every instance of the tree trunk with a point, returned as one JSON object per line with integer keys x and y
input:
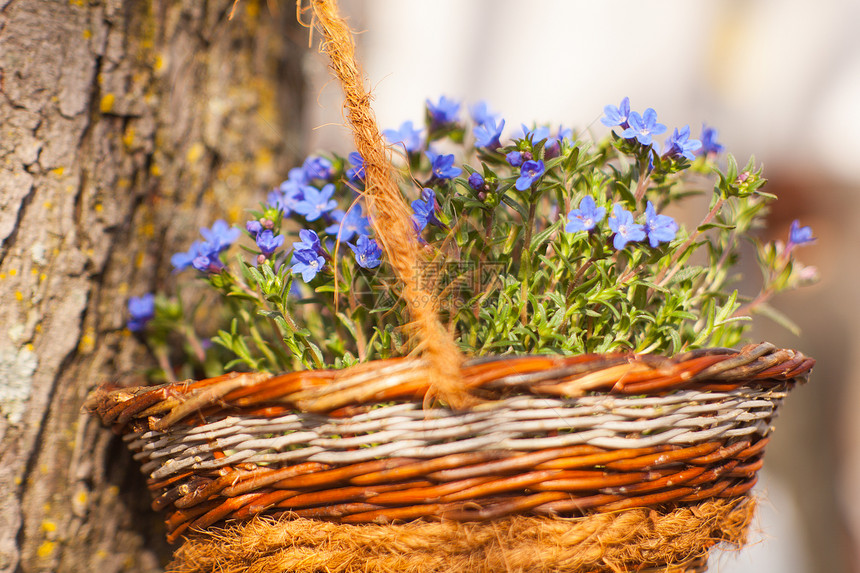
{"x": 124, "y": 126}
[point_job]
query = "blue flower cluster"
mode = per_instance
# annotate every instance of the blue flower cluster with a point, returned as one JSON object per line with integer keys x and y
{"x": 502, "y": 206}
{"x": 642, "y": 129}
{"x": 308, "y": 255}
{"x": 309, "y": 194}
{"x": 300, "y": 182}
{"x": 205, "y": 255}
{"x": 656, "y": 228}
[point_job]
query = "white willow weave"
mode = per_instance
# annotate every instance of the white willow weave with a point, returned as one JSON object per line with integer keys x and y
{"x": 522, "y": 423}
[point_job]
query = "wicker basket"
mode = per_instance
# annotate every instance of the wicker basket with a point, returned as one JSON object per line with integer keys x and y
{"x": 586, "y": 463}
{"x": 554, "y": 437}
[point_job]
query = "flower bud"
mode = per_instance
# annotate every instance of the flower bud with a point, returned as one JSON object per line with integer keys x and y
{"x": 476, "y": 181}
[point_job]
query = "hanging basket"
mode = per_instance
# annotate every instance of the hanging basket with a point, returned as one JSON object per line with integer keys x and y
{"x": 618, "y": 462}
{"x": 558, "y": 448}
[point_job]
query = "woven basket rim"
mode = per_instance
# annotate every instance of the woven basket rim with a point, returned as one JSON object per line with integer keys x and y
{"x": 550, "y": 375}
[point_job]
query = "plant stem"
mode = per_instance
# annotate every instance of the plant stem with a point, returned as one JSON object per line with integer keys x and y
{"x": 360, "y": 339}
{"x": 630, "y": 273}
{"x": 674, "y": 266}
{"x": 163, "y": 360}
{"x": 644, "y": 179}
{"x": 194, "y": 342}
{"x": 747, "y": 308}
{"x": 488, "y": 224}
{"x": 526, "y": 269}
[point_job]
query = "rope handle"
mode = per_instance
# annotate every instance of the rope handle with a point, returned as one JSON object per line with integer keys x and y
{"x": 389, "y": 214}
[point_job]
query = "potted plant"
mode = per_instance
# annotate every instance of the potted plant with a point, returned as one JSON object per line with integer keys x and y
{"x": 472, "y": 349}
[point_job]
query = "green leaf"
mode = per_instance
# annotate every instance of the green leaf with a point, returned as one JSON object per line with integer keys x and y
{"x": 687, "y": 273}
{"x": 539, "y": 239}
{"x": 778, "y": 317}
{"x": 516, "y": 206}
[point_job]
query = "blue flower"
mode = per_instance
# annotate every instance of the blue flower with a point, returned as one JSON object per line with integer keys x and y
{"x": 307, "y": 263}
{"x": 443, "y": 165}
{"x": 537, "y": 134}
{"x": 277, "y": 200}
{"x": 529, "y": 173}
{"x": 709, "y": 141}
{"x": 268, "y": 242}
{"x": 310, "y": 241}
{"x": 798, "y": 235}
{"x": 406, "y": 135}
{"x": 316, "y": 202}
{"x": 141, "y": 309}
{"x": 621, "y": 223}
{"x": 643, "y": 127}
{"x": 182, "y": 261}
{"x": 316, "y": 168}
{"x": 296, "y": 180}
{"x": 254, "y": 227}
{"x": 367, "y": 252}
{"x": 296, "y": 291}
{"x": 445, "y": 112}
{"x": 297, "y": 176}
{"x": 348, "y": 224}
{"x": 564, "y": 133}
{"x": 679, "y": 143}
{"x": 481, "y": 113}
{"x": 208, "y": 263}
{"x": 515, "y": 158}
{"x": 586, "y": 217}
{"x": 425, "y": 210}
{"x": 285, "y": 197}
{"x": 476, "y": 181}
{"x": 659, "y": 228}
{"x": 221, "y": 235}
{"x": 488, "y": 134}
{"x": 357, "y": 169}
{"x": 553, "y": 143}
{"x": 617, "y": 115}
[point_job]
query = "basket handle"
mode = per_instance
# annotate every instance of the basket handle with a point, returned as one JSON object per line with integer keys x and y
{"x": 389, "y": 214}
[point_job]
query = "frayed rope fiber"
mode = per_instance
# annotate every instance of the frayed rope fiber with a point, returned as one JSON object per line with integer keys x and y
{"x": 623, "y": 541}
{"x": 388, "y": 212}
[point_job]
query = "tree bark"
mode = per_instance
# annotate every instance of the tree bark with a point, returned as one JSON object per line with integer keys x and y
{"x": 124, "y": 126}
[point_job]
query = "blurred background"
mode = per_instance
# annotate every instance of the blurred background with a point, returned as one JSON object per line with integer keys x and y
{"x": 778, "y": 78}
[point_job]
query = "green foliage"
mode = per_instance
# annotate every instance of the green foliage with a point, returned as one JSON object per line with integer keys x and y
{"x": 506, "y": 274}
